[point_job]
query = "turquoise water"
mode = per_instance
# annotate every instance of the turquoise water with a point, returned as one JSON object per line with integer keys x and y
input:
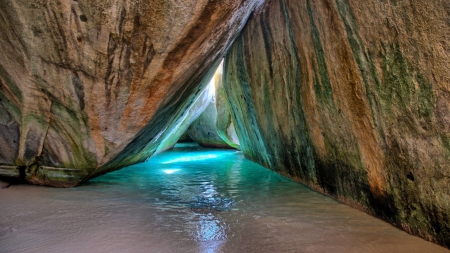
{"x": 191, "y": 199}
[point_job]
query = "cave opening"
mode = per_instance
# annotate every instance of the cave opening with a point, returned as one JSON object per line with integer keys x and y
{"x": 211, "y": 126}
{"x": 192, "y": 198}
{"x": 349, "y": 97}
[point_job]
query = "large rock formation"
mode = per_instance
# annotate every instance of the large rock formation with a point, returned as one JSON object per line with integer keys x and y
{"x": 352, "y": 98}
{"x": 85, "y": 86}
{"x": 224, "y": 123}
{"x": 349, "y": 97}
{"x": 214, "y": 127}
{"x": 203, "y": 130}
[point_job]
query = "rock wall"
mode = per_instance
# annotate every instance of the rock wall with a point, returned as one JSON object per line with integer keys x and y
{"x": 214, "y": 127}
{"x": 353, "y": 99}
{"x": 203, "y": 130}
{"x": 224, "y": 123}
{"x": 85, "y": 86}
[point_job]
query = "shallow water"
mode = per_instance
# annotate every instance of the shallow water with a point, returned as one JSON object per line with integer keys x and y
{"x": 191, "y": 200}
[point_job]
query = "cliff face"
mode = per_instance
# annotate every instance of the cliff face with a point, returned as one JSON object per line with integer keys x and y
{"x": 85, "y": 84}
{"x": 353, "y": 99}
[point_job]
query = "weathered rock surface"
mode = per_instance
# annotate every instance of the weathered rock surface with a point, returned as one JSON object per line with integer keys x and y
{"x": 224, "y": 123}
{"x": 85, "y": 86}
{"x": 214, "y": 127}
{"x": 352, "y": 98}
{"x": 203, "y": 129}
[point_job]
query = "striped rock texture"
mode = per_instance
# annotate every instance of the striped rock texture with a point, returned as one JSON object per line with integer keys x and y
{"x": 88, "y": 87}
{"x": 352, "y": 98}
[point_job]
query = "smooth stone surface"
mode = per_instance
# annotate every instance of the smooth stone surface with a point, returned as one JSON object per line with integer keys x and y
{"x": 224, "y": 123}
{"x": 352, "y": 98}
{"x": 214, "y": 127}
{"x": 195, "y": 201}
{"x": 88, "y": 84}
{"x": 203, "y": 130}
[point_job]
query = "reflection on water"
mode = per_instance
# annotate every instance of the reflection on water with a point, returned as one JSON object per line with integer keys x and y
{"x": 191, "y": 200}
{"x": 190, "y": 158}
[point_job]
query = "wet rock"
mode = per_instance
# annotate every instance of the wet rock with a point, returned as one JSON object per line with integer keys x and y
{"x": 350, "y": 98}
{"x": 87, "y": 85}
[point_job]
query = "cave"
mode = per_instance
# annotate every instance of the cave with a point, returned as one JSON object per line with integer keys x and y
{"x": 342, "y": 99}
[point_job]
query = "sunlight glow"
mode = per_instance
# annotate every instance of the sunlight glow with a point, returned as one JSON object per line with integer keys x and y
{"x": 171, "y": 171}
{"x": 191, "y": 158}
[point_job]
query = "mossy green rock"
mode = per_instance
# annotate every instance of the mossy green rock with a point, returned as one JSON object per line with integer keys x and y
{"x": 353, "y": 99}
